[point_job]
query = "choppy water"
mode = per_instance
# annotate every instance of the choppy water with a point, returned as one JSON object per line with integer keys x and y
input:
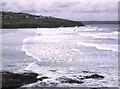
{"x": 58, "y": 52}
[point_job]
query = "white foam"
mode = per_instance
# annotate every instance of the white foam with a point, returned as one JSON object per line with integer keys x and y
{"x": 36, "y": 39}
{"x": 90, "y": 28}
{"x": 53, "y": 49}
{"x": 33, "y": 67}
{"x": 113, "y": 35}
{"x": 101, "y": 46}
{"x": 28, "y": 51}
{"x": 55, "y": 31}
{"x": 56, "y": 47}
{"x": 46, "y": 70}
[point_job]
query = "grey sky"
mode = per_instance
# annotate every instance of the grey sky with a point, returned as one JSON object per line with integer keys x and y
{"x": 77, "y": 10}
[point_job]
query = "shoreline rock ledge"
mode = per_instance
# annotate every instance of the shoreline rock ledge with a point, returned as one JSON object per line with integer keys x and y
{"x": 14, "y": 80}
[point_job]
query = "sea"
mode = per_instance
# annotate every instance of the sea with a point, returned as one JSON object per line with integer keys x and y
{"x": 69, "y": 52}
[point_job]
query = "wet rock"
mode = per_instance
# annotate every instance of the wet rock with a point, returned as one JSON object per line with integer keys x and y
{"x": 53, "y": 70}
{"x": 93, "y": 76}
{"x": 43, "y": 83}
{"x": 41, "y": 78}
{"x": 79, "y": 77}
{"x": 14, "y": 80}
{"x": 87, "y": 71}
{"x": 94, "y": 88}
{"x": 50, "y": 84}
{"x": 53, "y": 83}
{"x": 69, "y": 80}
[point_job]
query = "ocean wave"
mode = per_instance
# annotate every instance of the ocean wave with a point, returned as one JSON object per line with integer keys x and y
{"x": 61, "y": 30}
{"x": 37, "y": 39}
{"x": 55, "y": 31}
{"x": 56, "y": 54}
{"x": 101, "y": 46}
{"x": 113, "y": 35}
{"x": 67, "y": 74}
{"x": 90, "y": 28}
{"x": 59, "y": 47}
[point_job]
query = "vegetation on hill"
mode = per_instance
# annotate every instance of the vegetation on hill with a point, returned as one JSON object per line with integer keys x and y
{"x": 24, "y": 20}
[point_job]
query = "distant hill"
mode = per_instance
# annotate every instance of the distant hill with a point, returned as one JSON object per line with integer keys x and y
{"x": 24, "y": 20}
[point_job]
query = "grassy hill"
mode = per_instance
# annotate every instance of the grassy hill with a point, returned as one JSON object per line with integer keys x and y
{"x": 24, "y": 20}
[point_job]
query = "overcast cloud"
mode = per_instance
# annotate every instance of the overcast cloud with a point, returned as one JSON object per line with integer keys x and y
{"x": 79, "y": 10}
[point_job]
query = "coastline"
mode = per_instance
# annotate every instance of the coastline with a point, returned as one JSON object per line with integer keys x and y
{"x": 15, "y": 80}
{"x": 25, "y": 20}
{"x": 64, "y": 80}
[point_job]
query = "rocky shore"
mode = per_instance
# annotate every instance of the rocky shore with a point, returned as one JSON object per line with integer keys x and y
{"x": 15, "y": 80}
{"x": 11, "y": 80}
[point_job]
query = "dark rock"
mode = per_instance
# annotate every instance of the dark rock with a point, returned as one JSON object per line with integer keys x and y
{"x": 46, "y": 84}
{"x": 95, "y": 88}
{"x": 79, "y": 77}
{"x": 93, "y": 76}
{"x": 41, "y": 78}
{"x": 53, "y": 83}
{"x": 87, "y": 71}
{"x": 43, "y": 83}
{"x": 69, "y": 80}
{"x": 14, "y": 80}
{"x": 53, "y": 70}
